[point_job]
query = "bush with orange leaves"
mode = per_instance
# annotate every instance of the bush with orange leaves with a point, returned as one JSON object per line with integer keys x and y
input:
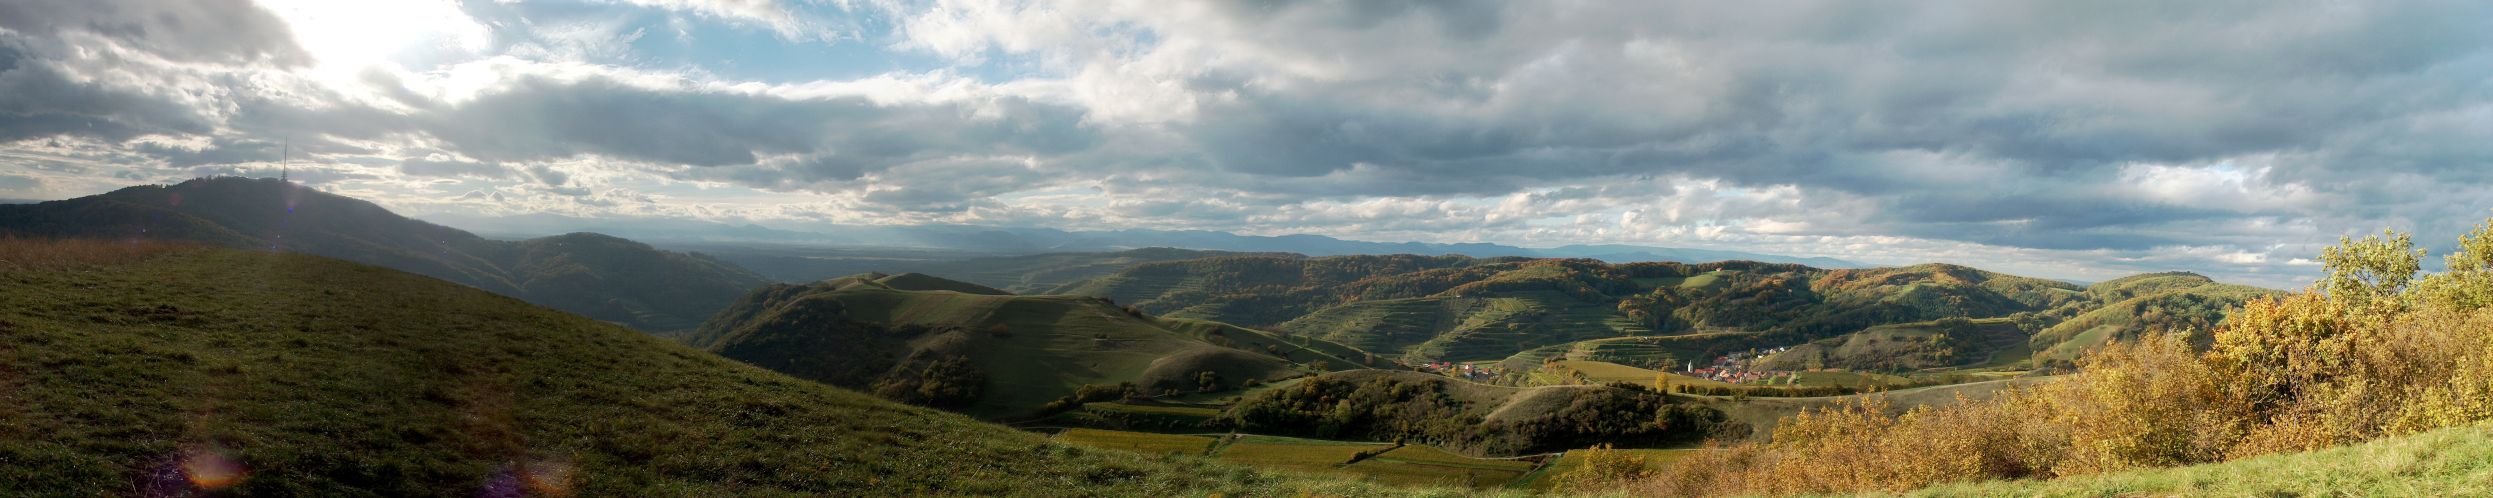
{"x": 2370, "y": 351}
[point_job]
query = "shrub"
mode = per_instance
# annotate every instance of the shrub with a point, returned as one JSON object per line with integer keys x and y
{"x": 1604, "y": 465}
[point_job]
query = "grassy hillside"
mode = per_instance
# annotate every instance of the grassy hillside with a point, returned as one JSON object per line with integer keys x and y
{"x": 1451, "y": 308}
{"x": 1451, "y": 327}
{"x": 1910, "y": 346}
{"x": 142, "y": 369}
{"x": 1656, "y": 352}
{"x": 593, "y": 275}
{"x": 2448, "y": 462}
{"x": 996, "y": 355}
{"x": 1379, "y": 462}
{"x": 1041, "y": 273}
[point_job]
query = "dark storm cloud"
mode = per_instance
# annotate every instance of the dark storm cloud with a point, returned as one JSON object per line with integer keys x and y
{"x": 221, "y": 150}
{"x": 830, "y": 139}
{"x": 2055, "y": 100}
{"x": 37, "y": 99}
{"x": 216, "y": 31}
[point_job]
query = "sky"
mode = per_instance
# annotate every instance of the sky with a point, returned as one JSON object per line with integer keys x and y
{"x": 2080, "y": 140}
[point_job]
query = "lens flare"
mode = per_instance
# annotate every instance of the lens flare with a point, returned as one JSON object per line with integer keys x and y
{"x": 211, "y": 468}
{"x": 534, "y": 477}
{"x": 547, "y": 477}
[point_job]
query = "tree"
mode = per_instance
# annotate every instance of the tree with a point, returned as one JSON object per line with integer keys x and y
{"x": 1208, "y": 381}
{"x": 2468, "y": 284}
{"x": 2363, "y": 271}
{"x": 1604, "y": 466}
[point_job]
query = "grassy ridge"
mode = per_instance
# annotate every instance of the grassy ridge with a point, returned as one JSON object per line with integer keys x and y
{"x": 316, "y": 377}
{"x": 1017, "y": 353}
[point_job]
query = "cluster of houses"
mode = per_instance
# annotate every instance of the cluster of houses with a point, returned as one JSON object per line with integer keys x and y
{"x": 1466, "y": 371}
{"x": 1734, "y": 367}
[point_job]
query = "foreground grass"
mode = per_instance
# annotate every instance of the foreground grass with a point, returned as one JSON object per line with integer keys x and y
{"x": 285, "y": 375}
{"x": 1407, "y": 465}
{"x": 2448, "y": 462}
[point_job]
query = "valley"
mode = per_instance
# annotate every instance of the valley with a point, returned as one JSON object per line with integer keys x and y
{"x": 1178, "y": 369}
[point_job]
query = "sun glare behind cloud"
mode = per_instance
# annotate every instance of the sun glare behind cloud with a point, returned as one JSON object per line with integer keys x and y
{"x": 348, "y": 37}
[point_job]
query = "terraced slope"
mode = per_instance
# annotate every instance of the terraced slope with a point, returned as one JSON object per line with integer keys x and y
{"x": 996, "y": 355}
{"x": 146, "y": 370}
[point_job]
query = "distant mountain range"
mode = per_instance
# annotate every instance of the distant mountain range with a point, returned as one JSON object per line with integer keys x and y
{"x": 1004, "y": 241}
{"x": 594, "y": 275}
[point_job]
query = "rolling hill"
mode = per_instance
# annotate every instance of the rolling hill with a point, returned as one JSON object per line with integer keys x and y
{"x": 1458, "y": 308}
{"x": 150, "y": 369}
{"x": 2126, "y": 307}
{"x": 1953, "y": 342}
{"x": 1034, "y": 273}
{"x": 995, "y": 355}
{"x": 601, "y": 277}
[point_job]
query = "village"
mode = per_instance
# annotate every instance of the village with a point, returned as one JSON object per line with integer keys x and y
{"x": 1734, "y": 368}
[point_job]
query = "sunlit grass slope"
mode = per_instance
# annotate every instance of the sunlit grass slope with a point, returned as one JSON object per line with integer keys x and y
{"x": 128, "y": 370}
{"x": 2448, "y": 462}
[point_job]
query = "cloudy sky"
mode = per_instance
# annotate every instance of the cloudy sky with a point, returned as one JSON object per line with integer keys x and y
{"x": 2069, "y": 139}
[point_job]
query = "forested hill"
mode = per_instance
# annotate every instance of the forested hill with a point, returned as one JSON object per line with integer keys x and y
{"x": 601, "y": 277}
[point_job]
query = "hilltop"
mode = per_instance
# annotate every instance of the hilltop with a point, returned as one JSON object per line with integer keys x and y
{"x": 146, "y": 368}
{"x": 994, "y": 354}
{"x": 598, "y": 276}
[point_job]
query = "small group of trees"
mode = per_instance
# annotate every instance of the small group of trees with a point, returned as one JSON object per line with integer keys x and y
{"x": 1424, "y": 411}
{"x": 933, "y": 379}
{"x": 1091, "y": 393}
